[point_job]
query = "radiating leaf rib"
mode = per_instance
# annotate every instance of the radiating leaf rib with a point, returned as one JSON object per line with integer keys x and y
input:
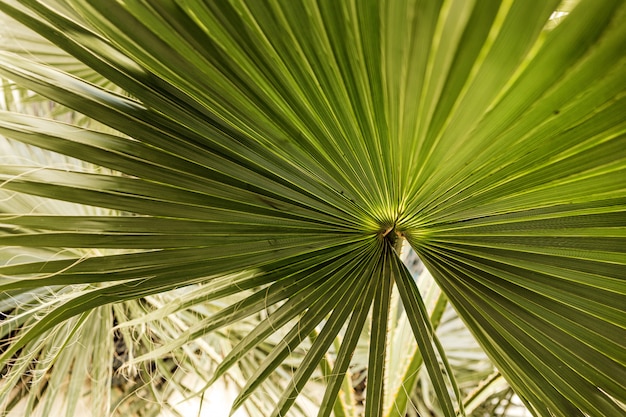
{"x": 573, "y": 339}
{"x": 297, "y": 289}
{"x": 118, "y": 108}
{"x": 348, "y": 344}
{"x": 324, "y": 83}
{"x": 329, "y": 332}
{"x": 515, "y": 37}
{"x": 615, "y": 37}
{"x": 270, "y": 139}
{"x": 140, "y": 92}
{"x": 545, "y": 362}
{"x": 422, "y": 329}
{"x": 325, "y": 303}
{"x": 512, "y": 362}
{"x": 604, "y": 304}
{"x": 411, "y": 373}
{"x": 374, "y": 403}
{"x": 136, "y": 159}
{"x": 283, "y": 276}
{"x": 135, "y": 193}
{"x": 317, "y": 303}
{"x": 263, "y": 22}
{"x": 127, "y": 291}
{"x": 137, "y": 267}
{"x": 471, "y": 45}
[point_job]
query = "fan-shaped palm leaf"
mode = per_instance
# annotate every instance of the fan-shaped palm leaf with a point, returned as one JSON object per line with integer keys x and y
{"x": 287, "y": 148}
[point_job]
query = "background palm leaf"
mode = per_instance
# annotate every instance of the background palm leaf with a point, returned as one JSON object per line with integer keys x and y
{"x": 280, "y": 152}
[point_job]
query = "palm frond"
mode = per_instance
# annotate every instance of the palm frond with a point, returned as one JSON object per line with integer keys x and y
{"x": 280, "y": 152}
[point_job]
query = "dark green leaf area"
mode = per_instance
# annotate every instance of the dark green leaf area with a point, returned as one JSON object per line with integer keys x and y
{"x": 187, "y": 175}
{"x": 527, "y": 320}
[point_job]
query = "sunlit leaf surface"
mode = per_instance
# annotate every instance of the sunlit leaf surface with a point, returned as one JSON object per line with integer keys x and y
{"x": 273, "y": 156}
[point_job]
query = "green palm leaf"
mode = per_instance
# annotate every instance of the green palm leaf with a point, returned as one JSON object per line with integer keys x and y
{"x": 280, "y": 152}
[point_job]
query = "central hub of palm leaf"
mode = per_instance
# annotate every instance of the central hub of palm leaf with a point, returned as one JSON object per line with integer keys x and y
{"x": 392, "y": 236}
